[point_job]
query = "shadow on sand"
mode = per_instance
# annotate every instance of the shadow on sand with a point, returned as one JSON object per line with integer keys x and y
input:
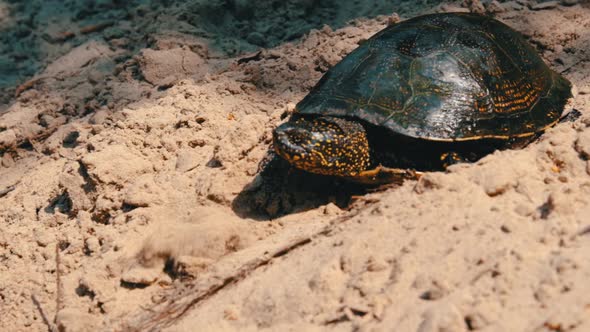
{"x": 279, "y": 189}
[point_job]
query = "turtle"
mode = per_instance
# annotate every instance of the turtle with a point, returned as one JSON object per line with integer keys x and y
{"x": 421, "y": 95}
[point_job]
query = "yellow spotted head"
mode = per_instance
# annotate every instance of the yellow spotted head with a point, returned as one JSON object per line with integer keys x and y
{"x": 323, "y": 145}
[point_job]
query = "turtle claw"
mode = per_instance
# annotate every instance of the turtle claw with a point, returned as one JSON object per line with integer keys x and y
{"x": 452, "y": 158}
{"x": 571, "y": 116}
{"x": 383, "y": 175}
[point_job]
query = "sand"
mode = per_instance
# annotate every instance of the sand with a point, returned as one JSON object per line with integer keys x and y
{"x": 137, "y": 191}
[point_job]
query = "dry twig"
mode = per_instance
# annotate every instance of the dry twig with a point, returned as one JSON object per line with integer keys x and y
{"x": 50, "y": 325}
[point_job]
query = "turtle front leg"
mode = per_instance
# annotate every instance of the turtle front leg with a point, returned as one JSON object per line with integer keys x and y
{"x": 384, "y": 175}
{"x": 451, "y": 158}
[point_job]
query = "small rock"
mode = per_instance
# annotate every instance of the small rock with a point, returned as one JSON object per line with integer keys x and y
{"x": 139, "y": 275}
{"x": 494, "y": 7}
{"x": 92, "y": 244}
{"x": 71, "y": 139}
{"x": 505, "y": 229}
{"x": 427, "y": 182}
{"x": 432, "y": 294}
{"x": 99, "y": 117}
{"x": 393, "y": 19}
{"x": 474, "y": 6}
{"x": 331, "y": 209}
{"x": 475, "y": 322}
{"x": 214, "y": 163}
{"x": 7, "y": 137}
{"x": 497, "y": 184}
{"x": 191, "y": 266}
{"x": 168, "y": 143}
{"x": 435, "y": 290}
{"x": 7, "y": 160}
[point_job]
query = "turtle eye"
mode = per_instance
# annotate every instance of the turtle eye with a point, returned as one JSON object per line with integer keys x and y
{"x": 298, "y": 136}
{"x": 292, "y": 141}
{"x": 317, "y": 137}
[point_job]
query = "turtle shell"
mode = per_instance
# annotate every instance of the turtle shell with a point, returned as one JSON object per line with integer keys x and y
{"x": 447, "y": 77}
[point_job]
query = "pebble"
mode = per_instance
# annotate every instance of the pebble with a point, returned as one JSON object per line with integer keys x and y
{"x": 331, "y": 209}
{"x": 495, "y": 7}
{"x": 99, "y": 117}
{"x": 393, "y": 19}
{"x": 7, "y": 160}
{"x": 432, "y": 294}
{"x": 7, "y": 137}
{"x": 497, "y": 184}
{"x": 475, "y": 6}
{"x": 92, "y": 244}
{"x": 475, "y": 321}
{"x": 141, "y": 276}
{"x": 428, "y": 182}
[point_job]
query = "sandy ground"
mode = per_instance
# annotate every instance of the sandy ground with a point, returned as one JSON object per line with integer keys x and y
{"x": 137, "y": 192}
